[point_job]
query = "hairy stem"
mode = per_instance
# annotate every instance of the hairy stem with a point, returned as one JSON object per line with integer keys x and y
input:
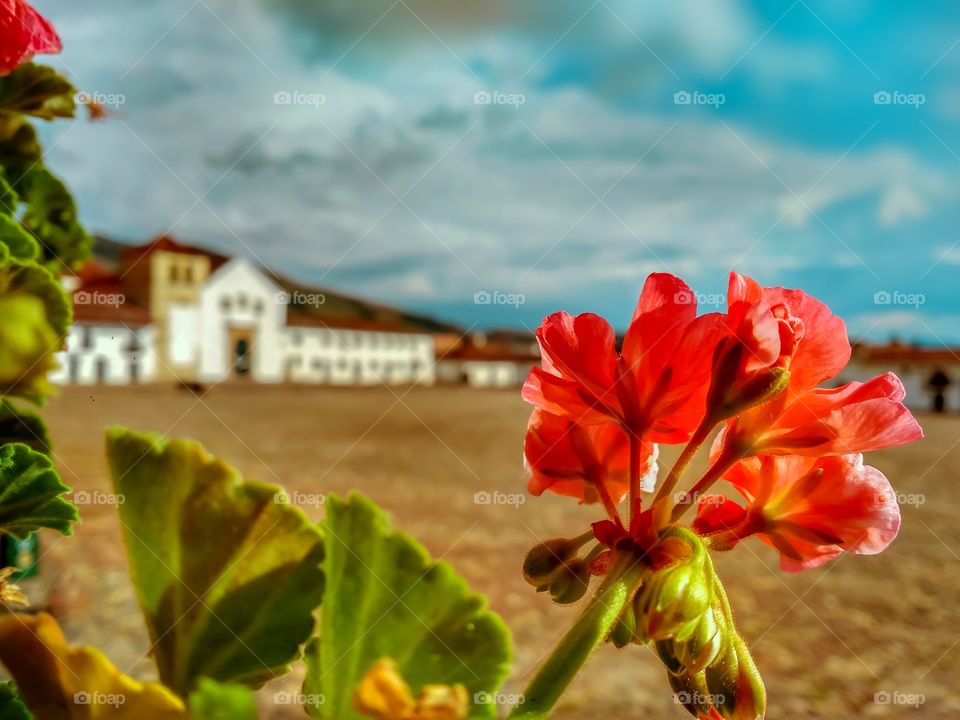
{"x": 714, "y": 473}
{"x": 609, "y": 505}
{"x": 575, "y": 647}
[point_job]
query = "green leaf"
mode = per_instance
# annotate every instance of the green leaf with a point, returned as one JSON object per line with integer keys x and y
{"x": 51, "y": 215}
{"x": 227, "y": 574}
{"x": 37, "y": 90}
{"x": 30, "y": 493}
{"x": 17, "y": 425}
{"x": 11, "y": 706}
{"x": 8, "y": 196}
{"x": 20, "y": 244}
{"x": 20, "y": 148}
{"x": 34, "y": 318}
{"x": 387, "y": 598}
{"x": 28, "y": 278}
{"x": 213, "y": 701}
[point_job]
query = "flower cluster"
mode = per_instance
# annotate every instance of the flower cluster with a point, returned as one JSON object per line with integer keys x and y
{"x": 791, "y": 448}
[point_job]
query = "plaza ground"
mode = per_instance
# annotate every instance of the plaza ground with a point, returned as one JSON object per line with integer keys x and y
{"x": 832, "y": 643}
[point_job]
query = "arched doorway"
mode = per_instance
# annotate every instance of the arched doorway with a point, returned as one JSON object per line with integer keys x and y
{"x": 241, "y": 352}
{"x": 101, "y": 369}
{"x": 938, "y": 384}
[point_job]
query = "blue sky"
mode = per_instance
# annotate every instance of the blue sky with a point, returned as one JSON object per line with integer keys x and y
{"x": 423, "y": 151}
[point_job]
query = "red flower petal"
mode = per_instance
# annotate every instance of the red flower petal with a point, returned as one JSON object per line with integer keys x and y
{"x": 824, "y": 349}
{"x": 577, "y": 460}
{"x": 23, "y": 33}
{"x": 856, "y": 417}
{"x": 579, "y": 360}
{"x": 813, "y": 509}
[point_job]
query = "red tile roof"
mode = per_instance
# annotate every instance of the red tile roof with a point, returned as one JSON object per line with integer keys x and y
{"x": 490, "y": 352}
{"x": 304, "y": 320}
{"x": 100, "y": 300}
{"x": 899, "y": 353}
{"x": 133, "y": 254}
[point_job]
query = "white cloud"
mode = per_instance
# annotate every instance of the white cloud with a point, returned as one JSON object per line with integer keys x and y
{"x": 900, "y": 203}
{"x": 310, "y": 188}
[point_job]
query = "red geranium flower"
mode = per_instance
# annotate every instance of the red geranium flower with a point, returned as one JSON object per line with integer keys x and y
{"x": 23, "y": 33}
{"x": 655, "y": 387}
{"x": 812, "y": 344}
{"x": 809, "y": 509}
{"x": 588, "y": 462}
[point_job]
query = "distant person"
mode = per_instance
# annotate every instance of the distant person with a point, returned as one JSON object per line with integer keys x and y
{"x": 938, "y": 385}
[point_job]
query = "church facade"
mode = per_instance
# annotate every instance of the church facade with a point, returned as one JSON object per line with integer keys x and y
{"x": 171, "y": 312}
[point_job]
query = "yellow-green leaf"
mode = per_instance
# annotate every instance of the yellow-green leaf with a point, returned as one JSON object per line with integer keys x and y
{"x": 214, "y": 701}
{"x": 227, "y": 574}
{"x": 37, "y": 90}
{"x": 34, "y": 317}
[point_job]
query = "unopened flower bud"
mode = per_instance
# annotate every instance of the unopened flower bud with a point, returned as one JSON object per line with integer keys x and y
{"x": 734, "y": 682}
{"x": 569, "y": 583}
{"x": 733, "y": 390}
{"x": 690, "y": 690}
{"x": 543, "y": 560}
{"x": 675, "y": 597}
{"x": 694, "y": 650}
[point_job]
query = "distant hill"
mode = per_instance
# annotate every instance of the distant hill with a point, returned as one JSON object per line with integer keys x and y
{"x": 338, "y": 308}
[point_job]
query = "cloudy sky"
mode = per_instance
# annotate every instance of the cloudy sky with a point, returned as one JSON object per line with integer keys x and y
{"x": 548, "y": 153}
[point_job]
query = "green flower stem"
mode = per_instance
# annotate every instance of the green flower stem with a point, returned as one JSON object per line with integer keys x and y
{"x": 705, "y": 483}
{"x": 576, "y": 646}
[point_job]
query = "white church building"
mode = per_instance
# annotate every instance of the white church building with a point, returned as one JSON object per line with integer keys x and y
{"x": 172, "y": 312}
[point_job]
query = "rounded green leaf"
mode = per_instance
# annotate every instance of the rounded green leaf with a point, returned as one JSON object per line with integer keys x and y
{"x": 387, "y": 598}
{"x": 31, "y": 493}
